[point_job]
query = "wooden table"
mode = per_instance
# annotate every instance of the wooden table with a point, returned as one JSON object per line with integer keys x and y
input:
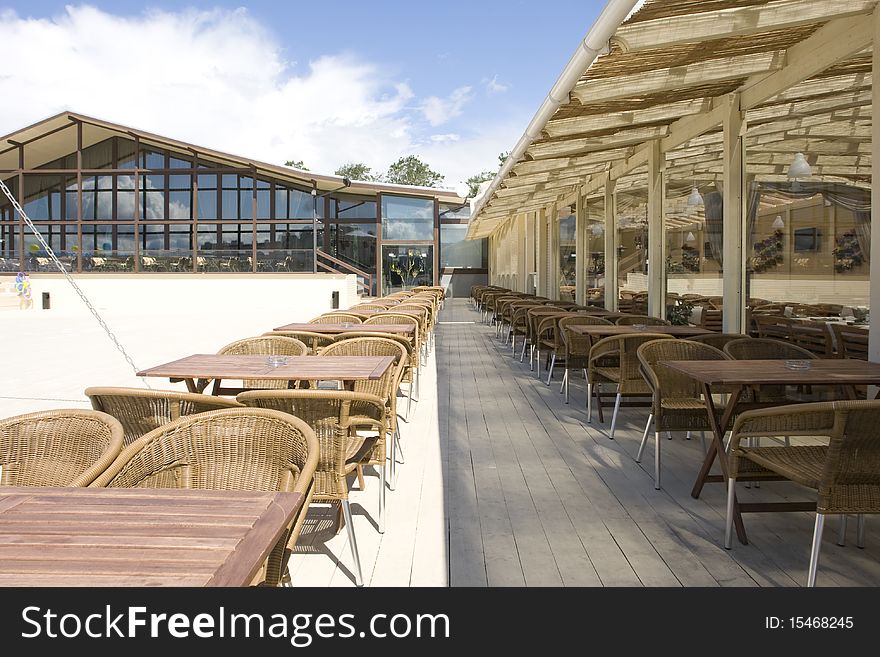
{"x": 297, "y": 368}
{"x": 348, "y": 328}
{"x": 138, "y": 537}
{"x": 601, "y": 330}
{"x": 736, "y": 376}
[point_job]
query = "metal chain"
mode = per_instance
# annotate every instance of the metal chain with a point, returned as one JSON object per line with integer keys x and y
{"x": 70, "y": 280}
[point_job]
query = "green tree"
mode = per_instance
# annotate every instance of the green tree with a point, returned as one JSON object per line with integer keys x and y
{"x": 412, "y": 171}
{"x": 357, "y": 171}
{"x": 502, "y": 157}
{"x": 475, "y": 181}
{"x": 296, "y": 164}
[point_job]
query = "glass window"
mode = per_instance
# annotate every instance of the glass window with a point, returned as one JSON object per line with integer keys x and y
{"x": 405, "y": 218}
{"x": 293, "y": 204}
{"x": 152, "y": 197}
{"x": 594, "y": 261}
{"x": 632, "y": 246}
{"x": 166, "y": 247}
{"x": 264, "y": 194}
{"x": 108, "y": 247}
{"x": 567, "y": 256}
{"x": 180, "y": 197}
{"x": 285, "y": 247}
{"x": 404, "y": 267}
{"x": 152, "y": 159}
{"x": 224, "y": 247}
{"x": 207, "y": 196}
{"x": 125, "y": 197}
{"x": 455, "y": 251}
{"x": 71, "y": 202}
{"x": 96, "y": 156}
{"x": 448, "y": 211}
{"x": 179, "y": 162}
{"x": 352, "y": 207}
{"x": 42, "y": 197}
{"x": 62, "y": 239}
{"x": 354, "y": 243}
{"x": 125, "y": 153}
{"x": 9, "y": 247}
{"x": 97, "y": 198}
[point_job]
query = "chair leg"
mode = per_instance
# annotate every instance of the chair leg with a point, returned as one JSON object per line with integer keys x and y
{"x": 552, "y": 365}
{"x": 564, "y": 380}
{"x": 358, "y": 576}
{"x": 565, "y": 385}
{"x": 644, "y": 442}
{"x": 688, "y": 436}
{"x": 409, "y": 401}
{"x": 817, "y": 547}
{"x": 703, "y": 441}
{"x": 399, "y": 446}
{"x": 860, "y": 531}
{"x": 418, "y": 382}
{"x": 382, "y": 499}
{"x": 656, "y": 460}
{"x": 589, "y": 403}
{"x": 728, "y": 525}
{"x": 614, "y": 416}
{"x": 360, "y": 475}
{"x": 841, "y": 530}
{"x": 513, "y": 344}
{"x": 538, "y": 361}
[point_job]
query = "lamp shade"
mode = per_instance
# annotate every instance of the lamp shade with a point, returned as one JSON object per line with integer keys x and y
{"x": 778, "y": 222}
{"x": 597, "y": 229}
{"x": 799, "y": 168}
{"x": 694, "y": 198}
{"x": 690, "y": 237}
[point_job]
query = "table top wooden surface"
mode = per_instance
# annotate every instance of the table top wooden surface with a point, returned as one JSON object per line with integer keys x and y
{"x": 297, "y": 368}
{"x": 607, "y": 331}
{"x": 348, "y": 328}
{"x": 831, "y": 371}
{"x": 138, "y": 537}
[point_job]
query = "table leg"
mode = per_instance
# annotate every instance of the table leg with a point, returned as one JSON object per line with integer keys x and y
{"x": 716, "y": 449}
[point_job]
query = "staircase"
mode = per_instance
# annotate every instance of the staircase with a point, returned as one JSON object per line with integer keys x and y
{"x": 329, "y": 263}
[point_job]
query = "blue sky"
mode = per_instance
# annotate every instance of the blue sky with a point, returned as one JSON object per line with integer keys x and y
{"x": 454, "y": 82}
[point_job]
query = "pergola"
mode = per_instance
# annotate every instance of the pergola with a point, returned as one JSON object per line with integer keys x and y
{"x": 662, "y": 95}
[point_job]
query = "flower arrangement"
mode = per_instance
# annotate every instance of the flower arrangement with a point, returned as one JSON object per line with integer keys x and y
{"x": 847, "y": 252}
{"x": 768, "y": 253}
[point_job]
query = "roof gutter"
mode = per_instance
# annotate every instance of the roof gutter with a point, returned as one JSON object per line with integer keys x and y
{"x": 614, "y": 13}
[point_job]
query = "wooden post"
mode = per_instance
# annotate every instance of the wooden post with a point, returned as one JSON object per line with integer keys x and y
{"x": 541, "y": 254}
{"x": 734, "y": 216}
{"x": 656, "y": 241}
{"x": 581, "y": 250}
{"x": 553, "y": 252}
{"x": 874, "y": 330}
{"x": 610, "y": 245}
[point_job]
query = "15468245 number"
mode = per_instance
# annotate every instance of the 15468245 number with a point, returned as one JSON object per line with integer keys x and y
{"x": 821, "y": 622}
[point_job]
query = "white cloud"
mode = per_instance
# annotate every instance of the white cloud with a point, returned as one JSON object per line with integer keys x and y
{"x": 495, "y": 87}
{"x": 219, "y": 79}
{"x": 440, "y": 110}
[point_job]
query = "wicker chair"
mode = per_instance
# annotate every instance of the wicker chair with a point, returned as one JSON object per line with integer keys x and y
{"x": 717, "y": 340}
{"x": 341, "y": 450}
{"x": 370, "y": 306}
{"x": 845, "y": 472}
{"x": 851, "y": 341}
{"x": 140, "y": 411}
{"x": 576, "y": 347}
{"x": 767, "y": 349}
{"x": 549, "y": 340}
{"x": 66, "y": 447}
{"x": 231, "y": 449}
{"x": 519, "y": 323}
{"x": 314, "y": 341}
{"x": 385, "y": 388}
{"x": 677, "y": 403}
{"x": 337, "y": 318}
{"x": 261, "y": 345}
{"x": 423, "y": 314}
{"x": 647, "y": 320}
{"x": 624, "y": 374}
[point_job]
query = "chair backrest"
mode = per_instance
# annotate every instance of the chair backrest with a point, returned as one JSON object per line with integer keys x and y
{"x": 647, "y": 320}
{"x": 266, "y": 345}
{"x": 370, "y": 306}
{"x": 314, "y": 341}
{"x": 140, "y": 411}
{"x": 666, "y": 382}
{"x": 386, "y": 386}
{"x": 815, "y": 337}
{"x": 66, "y": 447}
{"x": 328, "y": 413}
{"x": 712, "y": 319}
{"x": 765, "y": 349}
{"x": 337, "y": 318}
{"x": 577, "y": 344}
{"x": 772, "y": 326}
{"x": 625, "y": 347}
{"x": 717, "y": 340}
{"x": 852, "y": 341}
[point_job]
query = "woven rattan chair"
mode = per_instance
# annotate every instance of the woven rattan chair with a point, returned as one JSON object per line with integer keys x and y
{"x": 613, "y": 360}
{"x": 337, "y": 318}
{"x": 519, "y": 324}
{"x": 647, "y": 320}
{"x": 550, "y": 341}
{"x": 768, "y": 349}
{"x": 314, "y": 341}
{"x": 66, "y": 447}
{"x": 576, "y": 347}
{"x": 850, "y": 341}
{"x": 140, "y": 411}
{"x": 845, "y": 472}
{"x": 717, "y": 340}
{"x": 676, "y": 399}
{"x": 536, "y": 315}
{"x": 341, "y": 449}
{"x": 370, "y": 306}
{"x": 423, "y": 314}
{"x": 385, "y": 387}
{"x": 262, "y": 345}
{"x": 230, "y": 449}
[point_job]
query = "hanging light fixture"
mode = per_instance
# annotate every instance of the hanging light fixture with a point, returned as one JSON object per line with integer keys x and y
{"x": 690, "y": 237}
{"x": 799, "y": 168}
{"x": 778, "y": 222}
{"x": 695, "y": 198}
{"x": 596, "y": 229}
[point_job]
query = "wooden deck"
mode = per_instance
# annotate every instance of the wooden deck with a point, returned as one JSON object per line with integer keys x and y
{"x": 506, "y": 485}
